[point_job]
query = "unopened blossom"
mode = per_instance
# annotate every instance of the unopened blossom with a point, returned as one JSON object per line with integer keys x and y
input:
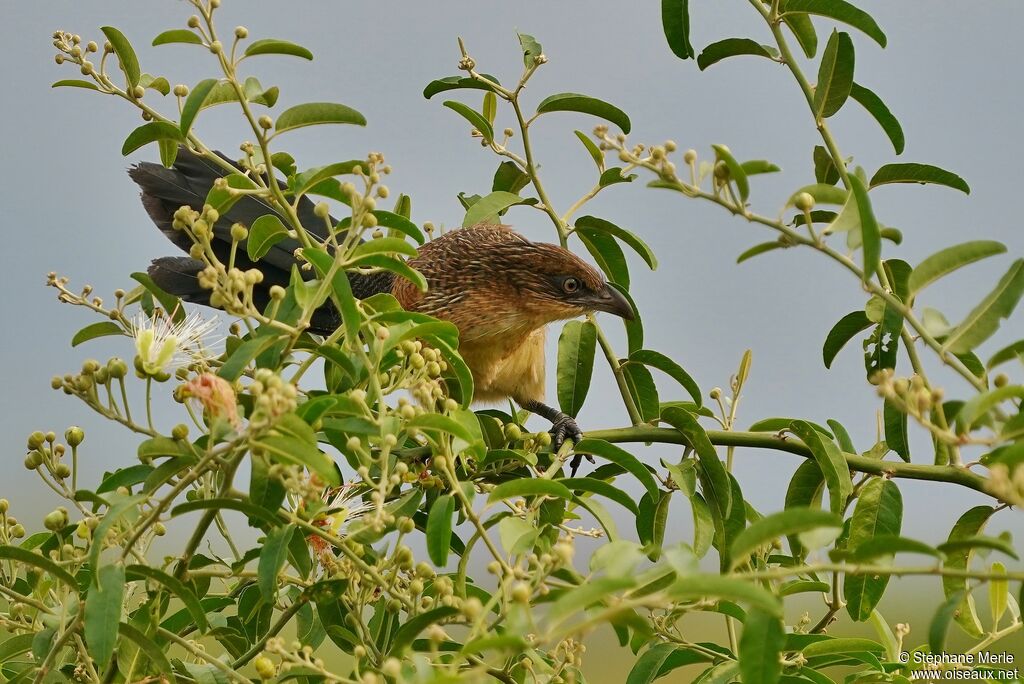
{"x": 215, "y": 395}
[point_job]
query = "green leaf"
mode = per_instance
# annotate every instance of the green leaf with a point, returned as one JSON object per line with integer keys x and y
{"x": 663, "y": 363}
{"x": 288, "y": 449}
{"x": 731, "y": 588}
{"x": 587, "y": 594}
{"x": 342, "y": 291}
{"x": 157, "y": 657}
{"x": 889, "y": 545}
{"x": 606, "y": 253}
{"x": 760, "y": 648}
{"x": 823, "y": 193}
{"x": 254, "y": 93}
{"x": 919, "y": 173}
{"x": 531, "y": 49}
{"x": 622, "y": 458}
{"x": 75, "y": 83}
{"x": 675, "y": 22}
{"x": 877, "y": 109}
{"x": 832, "y": 463}
{"x": 574, "y": 102}
{"x": 984, "y": 319}
{"x": 94, "y": 330}
{"x": 272, "y": 559}
{"x": 871, "y": 237}
{"x": 273, "y": 46}
{"x": 842, "y": 332}
{"x": 613, "y": 175}
{"x": 998, "y": 594}
{"x": 531, "y": 486}
{"x": 804, "y": 490}
{"x": 648, "y": 666}
{"x": 436, "y": 422}
{"x": 879, "y": 512}
{"x": 945, "y": 261}
{"x": 439, "y": 529}
{"x": 841, "y": 645}
{"x": 103, "y": 611}
{"x": 517, "y": 535}
{"x": 713, "y": 477}
{"x": 384, "y": 245}
{"x": 246, "y": 352}
{"x": 175, "y": 586}
{"x": 251, "y": 510}
{"x": 412, "y": 627}
{"x": 978, "y": 542}
{"x": 732, "y": 47}
{"x": 177, "y": 36}
{"x": 788, "y": 522}
{"x": 835, "y": 75}
{"x": 36, "y": 560}
{"x": 193, "y": 103}
{"x": 803, "y": 30}
{"x": 895, "y": 422}
{"x": 956, "y": 589}
{"x": 576, "y": 346}
{"x": 456, "y": 82}
{"x": 595, "y": 153}
{"x": 473, "y": 117}
{"x": 509, "y": 178}
{"x": 736, "y": 172}
{"x": 945, "y": 614}
{"x": 754, "y": 167}
{"x": 639, "y": 246}
{"x": 757, "y": 249}
{"x": 841, "y": 11}
{"x": 265, "y": 232}
{"x": 316, "y": 113}
{"x": 1010, "y": 352}
{"x": 151, "y": 132}
{"x": 486, "y": 210}
{"x": 601, "y": 488}
{"x": 126, "y": 58}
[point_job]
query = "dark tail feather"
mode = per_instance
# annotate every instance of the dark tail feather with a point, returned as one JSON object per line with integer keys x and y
{"x": 180, "y": 276}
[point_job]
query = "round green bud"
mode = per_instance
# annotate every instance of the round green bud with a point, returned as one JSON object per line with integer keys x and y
{"x": 5, "y": 505}
{"x": 193, "y": 21}
{"x": 62, "y": 471}
{"x": 55, "y": 520}
{"x": 181, "y": 90}
{"x": 36, "y": 439}
{"x": 1001, "y": 380}
{"x": 440, "y": 462}
{"x": 117, "y": 368}
{"x": 690, "y": 156}
{"x": 241, "y": 32}
{"x": 239, "y": 232}
{"x": 721, "y": 170}
{"x": 180, "y": 431}
{"x": 33, "y": 460}
{"x": 321, "y": 210}
{"x": 138, "y": 92}
{"x": 521, "y": 592}
{"x": 416, "y": 587}
{"x": 56, "y": 382}
{"x": 265, "y": 122}
{"x": 513, "y": 433}
{"x": 804, "y": 201}
{"x": 277, "y": 292}
{"x": 425, "y": 571}
{"x": 18, "y": 531}
{"x": 406, "y": 525}
{"x": 216, "y": 47}
{"x": 264, "y": 667}
{"x": 74, "y": 435}
{"x": 544, "y": 438}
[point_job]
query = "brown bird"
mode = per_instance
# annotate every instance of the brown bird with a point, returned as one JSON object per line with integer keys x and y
{"x": 499, "y": 289}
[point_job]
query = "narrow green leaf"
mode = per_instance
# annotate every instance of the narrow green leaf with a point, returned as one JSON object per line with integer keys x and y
{"x": 509, "y": 178}
{"x": 978, "y": 542}
{"x": 895, "y": 422}
{"x": 761, "y": 647}
{"x": 601, "y": 488}
{"x": 731, "y": 588}
{"x": 342, "y": 291}
{"x": 841, "y": 11}
{"x": 126, "y": 57}
{"x": 713, "y": 476}
{"x": 576, "y": 347}
{"x": 871, "y": 237}
{"x": 151, "y": 132}
{"x": 315, "y": 113}
{"x": 998, "y": 594}
{"x": 842, "y": 436}
{"x": 193, "y": 103}
{"x": 732, "y": 47}
{"x": 175, "y": 586}
{"x": 265, "y": 232}
{"x": 94, "y": 330}
{"x": 638, "y": 245}
{"x": 435, "y": 422}
{"x": 287, "y": 449}
{"x": 675, "y": 22}
{"x": 753, "y": 167}
{"x": 947, "y": 260}
{"x": 919, "y": 173}
{"x": 620, "y": 457}
{"x": 832, "y": 463}
{"x": 803, "y": 30}
{"x": 251, "y": 510}
{"x": 439, "y": 529}
{"x": 613, "y": 175}
{"x": 177, "y": 36}
{"x": 835, "y": 75}
{"x": 889, "y": 545}
{"x": 607, "y": 253}
{"x": 473, "y": 117}
{"x": 842, "y": 332}
{"x": 956, "y": 589}
{"x": 36, "y": 560}
{"x": 486, "y": 210}
{"x": 1010, "y": 352}
{"x": 757, "y": 249}
{"x": 949, "y": 609}
{"x": 879, "y": 511}
{"x": 103, "y": 611}
{"x": 788, "y": 522}
{"x": 983, "y": 320}
{"x": 823, "y": 193}
{"x": 804, "y": 490}
{"x": 273, "y": 46}
{"x": 663, "y": 363}
{"x": 246, "y": 352}
{"x": 648, "y": 666}
{"x": 155, "y": 653}
{"x": 529, "y": 487}
{"x": 272, "y": 559}
{"x": 455, "y": 83}
{"x": 574, "y": 102}
{"x": 736, "y": 172}
{"x": 842, "y": 645}
{"x": 877, "y": 109}
{"x": 595, "y": 153}
{"x": 74, "y": 83}
{"x": 408, "y": 632}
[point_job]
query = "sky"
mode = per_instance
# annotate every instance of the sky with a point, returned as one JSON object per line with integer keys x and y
{"x": 69, "y": 207}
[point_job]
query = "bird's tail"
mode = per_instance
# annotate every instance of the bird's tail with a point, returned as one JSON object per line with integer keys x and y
{"x": 187, "y": 183}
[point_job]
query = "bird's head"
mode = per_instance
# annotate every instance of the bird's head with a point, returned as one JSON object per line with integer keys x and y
{"x": 554, "y": 283}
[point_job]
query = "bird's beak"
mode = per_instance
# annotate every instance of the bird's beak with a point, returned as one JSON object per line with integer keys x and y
{"x": 612, "y": 301}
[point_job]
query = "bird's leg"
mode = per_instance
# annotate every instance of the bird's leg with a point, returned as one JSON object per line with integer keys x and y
{"x": 562, "y": 426}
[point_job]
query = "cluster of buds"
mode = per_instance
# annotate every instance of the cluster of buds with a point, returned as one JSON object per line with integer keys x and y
{"x": 652, "y": 157}
{"x": 93, "y": 375}
{"x": 570, "y": 652}
{"x": 10, "y": 528}
{"x": 70, "y": 49}
{"x": 273, "y": 397}
{"x": 909, "y": 394}
{"x": 45, "y": 454}
{"x": 421, "y": 372}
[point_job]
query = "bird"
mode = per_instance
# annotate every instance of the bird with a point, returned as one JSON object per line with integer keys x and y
{"x": 497, "y": 287}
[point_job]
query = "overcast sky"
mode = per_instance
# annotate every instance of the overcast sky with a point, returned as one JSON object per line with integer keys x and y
{"x": 68, "y": 206}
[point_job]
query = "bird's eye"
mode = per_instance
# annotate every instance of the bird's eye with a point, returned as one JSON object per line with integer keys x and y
{"x": 571, "y": 285}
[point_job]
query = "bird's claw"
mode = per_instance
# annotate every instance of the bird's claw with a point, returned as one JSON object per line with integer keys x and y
{"x": 564, "y": 428}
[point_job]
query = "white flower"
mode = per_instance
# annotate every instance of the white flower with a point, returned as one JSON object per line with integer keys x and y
{"x": 164, "y": 345}
{"x": 344, "y": 507}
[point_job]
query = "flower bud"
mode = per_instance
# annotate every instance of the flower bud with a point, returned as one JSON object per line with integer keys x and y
{"x": 264, "y": 667}
{"x": 521, "y": 592}
{"x": 5, "y": 505}
{"x": 193, "y": 21}
{"x": 55, "y": 520}
{"x": 36, "y": 439}
{"x": 239, "y": 232}
{"x": 804, "y": 201}
{"x": 241, "y": 32}
{"x": 74, "y": 435}
{"x": 62, "y": 471}
{"x": 265, "y": 122}
{"x": 181, "y": 90}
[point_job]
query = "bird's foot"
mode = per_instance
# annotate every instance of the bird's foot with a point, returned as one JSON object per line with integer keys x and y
{"x": 564, "y": 427}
